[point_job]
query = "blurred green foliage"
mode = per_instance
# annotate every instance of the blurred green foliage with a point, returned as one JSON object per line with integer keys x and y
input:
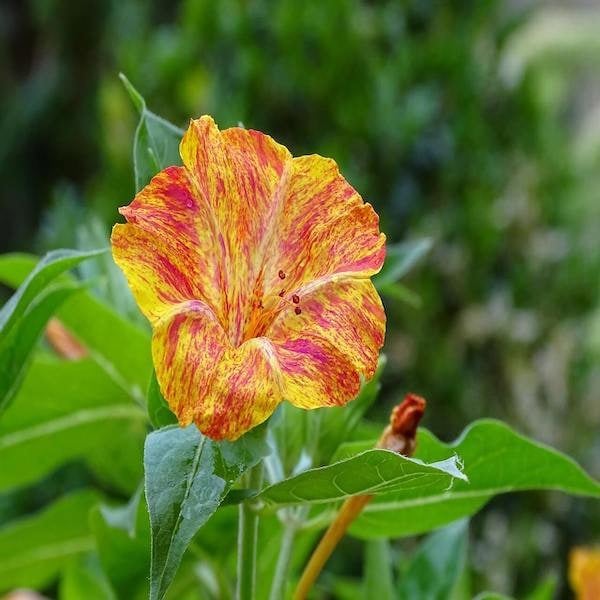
{"x": 472, "y": 123}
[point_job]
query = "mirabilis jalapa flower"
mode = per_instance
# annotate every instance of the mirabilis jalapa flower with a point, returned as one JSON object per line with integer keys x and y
{"x": 253, "y": 269}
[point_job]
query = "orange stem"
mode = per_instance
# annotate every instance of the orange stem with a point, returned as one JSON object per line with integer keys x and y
{"x": 63, "y": 341}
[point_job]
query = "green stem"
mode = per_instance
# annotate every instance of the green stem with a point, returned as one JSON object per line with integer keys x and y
{"x": 247, "y": 539}
{"x": 283, "y": 562}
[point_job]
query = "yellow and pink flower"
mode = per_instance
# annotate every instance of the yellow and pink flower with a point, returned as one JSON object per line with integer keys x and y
{"x": 253, "y": 268}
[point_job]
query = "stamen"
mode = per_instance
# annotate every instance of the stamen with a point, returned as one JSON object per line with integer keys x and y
{"x": 281, "y": 293}
{"x": 295, "y": 299}
{"x": 298, "y": 310}
{"x": 281, "y": 275}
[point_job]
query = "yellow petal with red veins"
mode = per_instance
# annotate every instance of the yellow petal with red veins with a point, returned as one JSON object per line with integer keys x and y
{"x": 324, "y": 228}
{"x": 167, "y": 250}
{"x": 239, "y": 173}
{"x": 325, "y": 338}
{"x": 225, "y": 390}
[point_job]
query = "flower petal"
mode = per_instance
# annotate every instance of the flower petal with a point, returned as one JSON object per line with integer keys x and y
{"x": 167, "y": 250}
{"x": 324, "y": 228}
{"x": 187, "y": 344}
{"x": 315, "y": 373}
{"x": 335, "y": 337}
{"x": 240, "y": 174}
{"x": 226, "y": 391}
{"x": 244, "y": 392}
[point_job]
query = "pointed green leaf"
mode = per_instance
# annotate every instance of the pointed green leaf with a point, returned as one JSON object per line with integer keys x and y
{"x": 496, "y": 460}
{"x": 371, "y": 472}
{"x": 156, "y": 143}
{"x": 34, "y": 550}
{"x": 187, "y": 477}
{"x": 436, "y": 566}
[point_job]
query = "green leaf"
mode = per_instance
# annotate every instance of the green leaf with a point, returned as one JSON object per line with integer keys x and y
{"x": 48, "y": 268}
{"x": 83, "y": 578}
{"x": 436, "y": 566}
{"x": 35, "y": 549}
{"x": 400, "y": 259}
{"x": 66, "y": 410}
{"x": 371, "y": 472}
{"x": 26, "y": 312}
{"x": 187, "y": 477}
{"x": 119, "y": 347}
{"x": 158, "y": 410}
{"x": 496, "y": 460}
{"x": 378, "y": 580}
{"x": 16, "y": 346}
{"x": 123, "y": 541}
{"x": 156, "y": 143}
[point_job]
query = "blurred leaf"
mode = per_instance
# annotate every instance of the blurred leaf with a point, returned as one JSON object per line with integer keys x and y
{"x": 119, "y": 347}
{"x": 436, "y": 566}
{"x": 496, "y": 460}
{"x": 65, "y": 410}
{"x": 83, "y": 578}
{"x": 24, "y": 315}
{"x": 491, "y": 596}
{"x": 158, "y": 410}
{"x": 371, "y": 472}
{"x": 545, "y": 590}
{"x": 47, "y": 269}
{"x": 35, "y": 549}
{"x": 17, "y": 344}
{"x": 123, "y": 541}
{"x": 187, "y": 477}
{"x": 378, "y": 578}
{"x": 400, "y": 259}
{"x": 156, "y": 144}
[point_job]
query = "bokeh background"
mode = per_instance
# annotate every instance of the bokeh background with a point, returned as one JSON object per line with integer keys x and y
{"x": 473, "y": 122}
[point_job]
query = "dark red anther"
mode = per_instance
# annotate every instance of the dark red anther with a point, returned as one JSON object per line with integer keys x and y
{"x": 281, "y": 275}
{"x": 281, "y": 293}
{"x": 298, "y": 310}
{"x": 295, "y": 298}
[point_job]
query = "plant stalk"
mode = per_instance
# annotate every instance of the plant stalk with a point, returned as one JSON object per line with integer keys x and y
{"x": 283, "y": 562}
{"x": 248, "y": 539}
{"x": 399, "y": 436}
